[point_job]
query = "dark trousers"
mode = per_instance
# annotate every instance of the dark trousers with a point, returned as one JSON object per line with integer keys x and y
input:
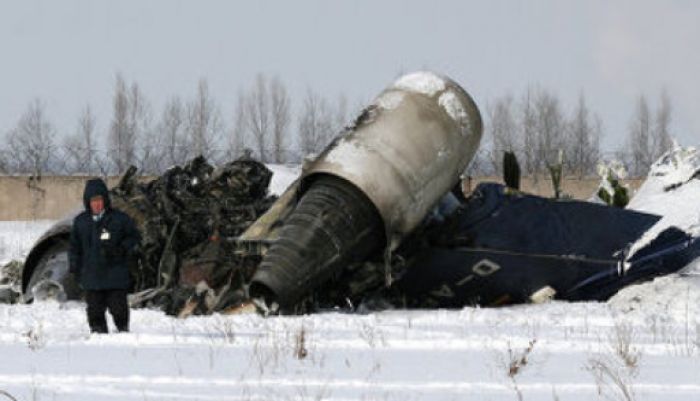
{"x": 98, "y": 301}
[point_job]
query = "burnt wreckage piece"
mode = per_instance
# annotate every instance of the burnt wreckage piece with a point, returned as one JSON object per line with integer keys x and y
{"x": 371, "y": 187}
{"x": 500, "y": 247}
{"x": 189, "y": 218}
{"x": 503, "y": 246}
{"x": 333, "y": 225}
{"x": 196, "y": 213}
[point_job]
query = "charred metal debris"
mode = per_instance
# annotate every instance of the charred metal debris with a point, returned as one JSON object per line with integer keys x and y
{"x": 189, "y": 219}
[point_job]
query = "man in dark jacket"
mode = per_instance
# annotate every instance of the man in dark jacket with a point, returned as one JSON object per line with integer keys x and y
{"x": 102, "y": 242}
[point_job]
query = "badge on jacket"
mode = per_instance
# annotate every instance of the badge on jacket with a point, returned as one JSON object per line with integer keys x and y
{"x": 105, "y": 235}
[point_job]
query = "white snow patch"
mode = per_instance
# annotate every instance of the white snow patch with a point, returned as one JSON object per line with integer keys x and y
{"x": 670, "y": 192}
{"x": 693, "y": 269}
{"x": 282, "y": 177}
{"x": 673, "y": 297}
{"x": 390, "y": 100}
{"x": 424, "y": 82}
{"x": 453, "y": 106}
{"x": 677, "y": 166}
{"x": 347, "y": 154}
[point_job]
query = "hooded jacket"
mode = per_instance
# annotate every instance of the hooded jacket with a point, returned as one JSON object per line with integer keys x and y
{"x": 100, "y": 250}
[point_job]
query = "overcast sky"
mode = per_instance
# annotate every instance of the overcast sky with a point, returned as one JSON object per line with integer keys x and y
{"x": 68, "y": 52}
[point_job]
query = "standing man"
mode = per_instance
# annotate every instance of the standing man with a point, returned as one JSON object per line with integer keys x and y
{"x": 101, "y": 243}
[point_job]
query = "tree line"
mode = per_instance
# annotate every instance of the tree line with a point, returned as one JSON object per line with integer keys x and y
{"x": 265, "y": 124}
{"x": 261, "y": 126}
{"x": 536, "y": 128}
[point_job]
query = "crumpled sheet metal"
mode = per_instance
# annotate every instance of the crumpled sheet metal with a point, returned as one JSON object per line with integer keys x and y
{"x": 190, "y": 218}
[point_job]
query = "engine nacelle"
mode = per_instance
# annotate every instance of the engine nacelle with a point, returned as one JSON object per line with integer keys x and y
{"x": 372, "y": 185}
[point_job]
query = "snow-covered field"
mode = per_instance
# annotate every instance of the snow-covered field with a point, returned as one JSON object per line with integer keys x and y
{"x": 644, "y": 344}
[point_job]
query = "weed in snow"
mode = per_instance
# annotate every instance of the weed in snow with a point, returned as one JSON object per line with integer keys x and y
{"x": 300, "y": 351}
{"x": 35, "y": 337}
{"x": 516, "y": 362}
{"x": 612, "y": 380}
{"x": 371, "y": 334}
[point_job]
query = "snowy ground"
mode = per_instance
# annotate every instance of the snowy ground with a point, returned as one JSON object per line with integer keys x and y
{"x": 578, "y": 351}
{"x": 644, "y": 344}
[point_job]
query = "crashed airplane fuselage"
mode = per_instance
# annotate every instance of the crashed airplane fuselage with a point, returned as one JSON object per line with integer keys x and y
{"x": 364, "y": 225}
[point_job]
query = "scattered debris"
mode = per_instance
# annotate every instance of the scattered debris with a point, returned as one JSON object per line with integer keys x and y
{"x": 190, "y": 218}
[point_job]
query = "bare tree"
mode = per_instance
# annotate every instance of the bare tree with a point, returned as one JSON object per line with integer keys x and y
{"x": 80, "y": 149}
{"x": 152, "y": 152}
{"x": 640, "y": 141}
{"x": 258, "y": 113}
{"x": 237, "y": 139}
{"x": 502, "y": 129}
{"x": 30, "y": 143}
{"x": 280, "y": 117}
{"x": 171, "y": 129}
{"x": 204, "y": 124}
{"x": 148, "y": 149}
{"x": 528, "y": 129}
{"x": 583, "y": 140}
{"x": 550, "y": 129}
{"x": 315, "y": 123}
{"x": 662, "y": 137}
{"x": 122, "y": 138}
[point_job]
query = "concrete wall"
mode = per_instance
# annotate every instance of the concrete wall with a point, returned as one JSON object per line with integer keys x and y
{"x": 53, "y": 197}
{"x": 47, "y": 198}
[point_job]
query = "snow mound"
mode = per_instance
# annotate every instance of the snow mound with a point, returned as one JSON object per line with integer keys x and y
{"x": 672, "y": 191}
{"x": 677, "y": 166}
{"x": 672, "y": 298}
{"x": 425, "y": 82}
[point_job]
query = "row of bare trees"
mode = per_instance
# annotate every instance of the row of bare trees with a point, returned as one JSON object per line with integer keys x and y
{"x": 534, "y": 126}
{"x": 262, "y": 126}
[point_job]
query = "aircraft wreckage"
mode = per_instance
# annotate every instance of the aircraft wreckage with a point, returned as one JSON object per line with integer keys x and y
{"x": 374, "y": 221}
